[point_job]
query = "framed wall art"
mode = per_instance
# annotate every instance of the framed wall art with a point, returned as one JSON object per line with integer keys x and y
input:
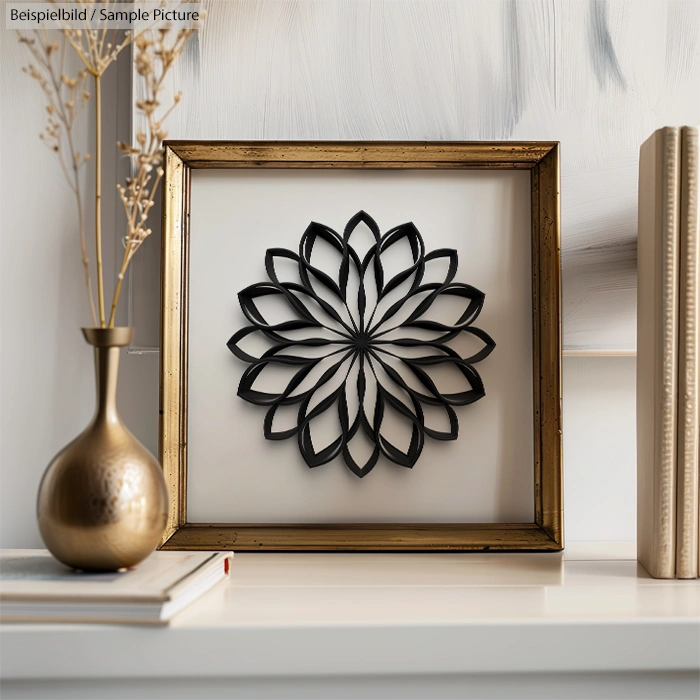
{"x": 361, "y": 346}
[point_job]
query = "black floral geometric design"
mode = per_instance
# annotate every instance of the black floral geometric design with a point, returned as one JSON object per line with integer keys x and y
{"x": 379, "y": 336}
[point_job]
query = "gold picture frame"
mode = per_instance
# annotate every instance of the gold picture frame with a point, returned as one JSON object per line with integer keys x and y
{"x": 542, "y": 160}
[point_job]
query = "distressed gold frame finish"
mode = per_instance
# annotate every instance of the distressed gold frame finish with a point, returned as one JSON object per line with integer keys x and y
{"x": 542, "y": 160}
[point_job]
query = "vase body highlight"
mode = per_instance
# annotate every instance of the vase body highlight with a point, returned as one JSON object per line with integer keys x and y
{"x": 103, "y": 502}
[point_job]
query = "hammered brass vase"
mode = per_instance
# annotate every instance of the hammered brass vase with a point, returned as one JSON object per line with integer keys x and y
{"x": 103, "y": 502}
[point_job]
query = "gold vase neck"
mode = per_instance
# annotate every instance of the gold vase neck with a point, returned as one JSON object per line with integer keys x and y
{"x": 107, "y": 343}
{"x": 109, "y": 337}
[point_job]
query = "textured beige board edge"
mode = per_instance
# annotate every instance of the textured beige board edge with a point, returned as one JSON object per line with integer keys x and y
{"x": 657, "y": 350}
{"x": 687, "y": 487}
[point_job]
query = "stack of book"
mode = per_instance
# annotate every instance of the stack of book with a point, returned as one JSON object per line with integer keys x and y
{"x": 34, "y": 587}
{"x": 668, "y": 424}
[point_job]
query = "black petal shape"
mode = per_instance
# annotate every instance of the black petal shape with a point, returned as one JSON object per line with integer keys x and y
{"x": 365, "y": 339}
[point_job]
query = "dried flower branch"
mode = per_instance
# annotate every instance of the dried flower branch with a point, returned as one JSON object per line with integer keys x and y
{"x": 155, "y": 52}
{"x": 97, "y": 49}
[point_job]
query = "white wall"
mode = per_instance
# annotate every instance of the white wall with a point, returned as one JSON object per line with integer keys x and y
{"x": 46, "y": 368}
{"x": 600, "y": 468}
{"x": 597, "y": 75}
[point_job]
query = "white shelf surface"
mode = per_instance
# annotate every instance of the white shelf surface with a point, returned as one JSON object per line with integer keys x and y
{"x": 591, "y": 608}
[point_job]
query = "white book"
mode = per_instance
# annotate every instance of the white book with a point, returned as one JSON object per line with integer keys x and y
{"x": 657, "y": 350}
{"x": 688, "y": 426}
{"x": 34, "y": 587}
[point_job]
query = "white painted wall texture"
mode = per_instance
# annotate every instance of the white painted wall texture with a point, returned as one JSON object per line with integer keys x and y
{"x": 599, "y": 76}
